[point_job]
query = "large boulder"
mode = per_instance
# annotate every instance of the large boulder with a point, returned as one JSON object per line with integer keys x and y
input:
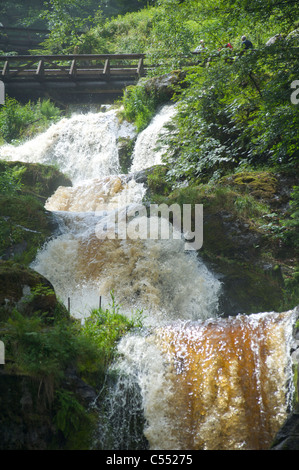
{"x": 165, "y": 85}
{"x": 24, "y": 223}
{"x": 38, "y": 180}
{"x": 27, "y": 291}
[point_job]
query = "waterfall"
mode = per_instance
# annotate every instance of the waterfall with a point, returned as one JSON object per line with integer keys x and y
{"x": 190, "y": 379}
{"x": 148, "y": 142}
{"x": 216, "y": 384}
{"x": 83, "y": 146}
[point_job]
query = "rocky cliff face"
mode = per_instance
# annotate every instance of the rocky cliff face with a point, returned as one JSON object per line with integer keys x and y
{"x": 27, "y": 404}
{"x": 243, "y": 218}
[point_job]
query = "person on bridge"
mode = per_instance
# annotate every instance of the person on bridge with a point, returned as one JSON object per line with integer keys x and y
{"x": 201, "y": 47}
{"x": 246, "y": 44}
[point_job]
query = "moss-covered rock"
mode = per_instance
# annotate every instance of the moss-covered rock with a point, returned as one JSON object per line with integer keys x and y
{"x": 37, "y": 180}
{"x": 125, "y": 151}
{"x": 165, "y": 85}
{"x": 24, "y": 227}
{"x": 240, "y": 247}
{"x": 28, "y": 421}
{"x": 25, "y": 421}
{"x": 154, "y": 180}
{"x": 27, "y": 291}
{"x": 260, "y": 184}
{"x": 24, "y": 222}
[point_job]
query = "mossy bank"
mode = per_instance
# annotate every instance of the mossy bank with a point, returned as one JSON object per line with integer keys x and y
{"x": 248, "y": 240}
{"x": 24, "y": 222}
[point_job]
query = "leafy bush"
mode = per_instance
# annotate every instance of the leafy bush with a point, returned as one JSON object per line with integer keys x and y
{"x": 236, "y": 112}
{"x": 139, "y": 106}
{"x": 42, "y": 351}
{"x": 18, "y": 121}
{"x": 292, "y": 224}
{"x": 10, "y": 180}
{"x": 106, "y": 327}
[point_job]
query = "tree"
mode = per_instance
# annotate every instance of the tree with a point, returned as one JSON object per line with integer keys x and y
{"x": 67, "y": 21}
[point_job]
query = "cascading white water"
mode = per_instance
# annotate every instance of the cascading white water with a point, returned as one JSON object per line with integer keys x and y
{"x": 218, "y": 384}
{"x": 83, "y": 146}
{"x": 190, "y": 380}
{"x": 143, "y": 273}
{"x": 148, "y": 149}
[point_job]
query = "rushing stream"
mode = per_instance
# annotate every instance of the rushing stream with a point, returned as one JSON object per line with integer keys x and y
{"x": 191, "y": 379}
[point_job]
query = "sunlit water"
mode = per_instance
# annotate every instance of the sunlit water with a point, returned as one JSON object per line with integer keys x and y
{"x": 189, "y": 380}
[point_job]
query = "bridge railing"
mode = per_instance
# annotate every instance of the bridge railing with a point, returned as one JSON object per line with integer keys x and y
{"x": 72, "y": 66}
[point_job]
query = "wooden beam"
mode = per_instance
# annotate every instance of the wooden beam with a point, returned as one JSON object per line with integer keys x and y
{"x": 36, "y": 58}
{"x": 5, "y": 69}
{"x": 40, "y": 71}
{"x": 73, "y": 69}
{"x": 140, "y": 68}
{"x": 106, "y": 70}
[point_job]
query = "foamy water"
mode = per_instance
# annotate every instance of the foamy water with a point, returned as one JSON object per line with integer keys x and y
{"x": 189, "y": 380}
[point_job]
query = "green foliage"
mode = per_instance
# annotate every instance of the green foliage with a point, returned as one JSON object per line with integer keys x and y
{"x": 235, "y": 112}
{"x": 10, "y": 180}
{"x": 67, "y": 21}
{"x": 171, "y": 37}
{"x": 19, "y": 121}
{"x": 292, "y": 224}
{"x": 125, "y": 34}
{"x": 22, "y": 14}
{"x": 14, "y": 119}
{"x": 106, "y": 327}
{"x": 139, "y": 106}
{"x": 38, "y": 351}
{"x": 156, "y": 182}
{"x": 96, "y": 27}
{"x": 44, "y": 351}
{"x": 121, "y": 7}
{"x": 70, "y": 413}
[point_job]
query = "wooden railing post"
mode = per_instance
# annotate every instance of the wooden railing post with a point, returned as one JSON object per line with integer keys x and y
{"x": 73, "y": 69}
{"x": 140, "y": 68}
{"x": 106, "y": 70}
{"x": 40, "y": 69}
{"x": 5, "y": 69}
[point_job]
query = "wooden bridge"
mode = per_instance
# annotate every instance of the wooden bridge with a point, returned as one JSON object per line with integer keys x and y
{"x": 74, "y": 78}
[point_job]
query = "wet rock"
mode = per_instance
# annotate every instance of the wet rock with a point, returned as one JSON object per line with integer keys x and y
{"x": 25, "y": 422}
{"x": 287, "y": 437}
{"x": 164, "y": 85}
{"x": 125, "y": 150}
{"x": 86, "y": 394}
{"x": 275, "y": 39}
{"x": 293, "y": 37}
